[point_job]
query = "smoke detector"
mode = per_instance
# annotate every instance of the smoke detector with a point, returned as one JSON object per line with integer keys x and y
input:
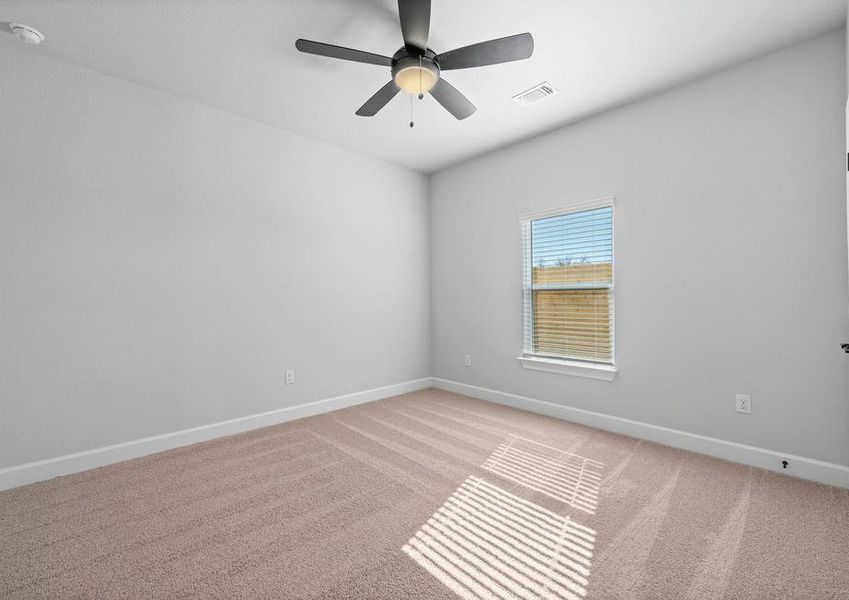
{"x": 27, "y": 34}
{"x": 539, "y": 92}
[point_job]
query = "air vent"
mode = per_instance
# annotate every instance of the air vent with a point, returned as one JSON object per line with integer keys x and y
{"x": 535, "y": 94}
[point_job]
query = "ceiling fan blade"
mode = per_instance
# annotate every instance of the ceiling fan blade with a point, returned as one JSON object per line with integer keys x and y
{"x": 415, "y": 22}
{"x": 452, "y": 100}
{"x": 332, "y": 51}
{"x": 493, "y": 52}
{"x": 379, "y": 100}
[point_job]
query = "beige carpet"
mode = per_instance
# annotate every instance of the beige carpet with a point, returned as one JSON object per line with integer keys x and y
{"x": 428, "y": 495}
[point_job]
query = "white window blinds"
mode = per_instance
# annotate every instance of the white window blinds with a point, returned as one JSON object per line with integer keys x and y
{"x": 568, "y": 285}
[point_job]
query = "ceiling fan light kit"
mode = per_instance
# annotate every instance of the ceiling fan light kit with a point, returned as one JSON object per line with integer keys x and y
{"x": 415, "y": 74}
{"x": 417, "y": 70}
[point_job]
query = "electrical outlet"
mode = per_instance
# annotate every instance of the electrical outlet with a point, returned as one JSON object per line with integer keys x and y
{"x": 744, "y": 404}
{"x": 468, "y": 360}
{"x": 290, "y": 376}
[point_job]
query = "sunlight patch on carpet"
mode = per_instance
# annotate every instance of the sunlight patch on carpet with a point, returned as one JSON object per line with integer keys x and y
{"x": 485, "y": 542}
{"x": 561, "y": 475}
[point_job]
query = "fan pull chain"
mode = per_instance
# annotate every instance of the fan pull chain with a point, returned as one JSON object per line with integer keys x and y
{"x": 421, "y": 94}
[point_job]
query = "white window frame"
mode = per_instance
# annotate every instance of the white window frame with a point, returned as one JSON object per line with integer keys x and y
{"x": 552, "y": 364}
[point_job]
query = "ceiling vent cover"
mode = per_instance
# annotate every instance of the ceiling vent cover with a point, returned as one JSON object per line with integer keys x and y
{"x": 539, "y": 92}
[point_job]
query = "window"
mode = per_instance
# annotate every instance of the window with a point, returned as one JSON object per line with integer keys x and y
{"x": 568, "y": 287}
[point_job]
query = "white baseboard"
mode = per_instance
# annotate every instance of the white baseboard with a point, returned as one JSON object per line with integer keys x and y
{"x": 799, "y": 466}
{"x": 805, "y": 468}
{"x": 41, "y": 470}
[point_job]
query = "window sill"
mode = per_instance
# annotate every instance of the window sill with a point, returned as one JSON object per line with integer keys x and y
{"x": 569, "y": 367}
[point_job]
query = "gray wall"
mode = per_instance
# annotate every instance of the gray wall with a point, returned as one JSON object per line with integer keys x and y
{"x": 162, "y": 263}
{"x": 846, "y": 149}
{"x": 731, "y": 271}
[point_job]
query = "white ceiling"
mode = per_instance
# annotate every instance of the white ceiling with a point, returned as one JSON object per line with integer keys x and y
{"x": 240, "y": 57}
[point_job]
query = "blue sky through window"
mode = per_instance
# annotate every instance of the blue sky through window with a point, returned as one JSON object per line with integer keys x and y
{"x": 574, "y": 238}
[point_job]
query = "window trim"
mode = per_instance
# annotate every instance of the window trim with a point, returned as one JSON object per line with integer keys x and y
{"x": 568, "y": 208}
{"x": 563, "y": 365}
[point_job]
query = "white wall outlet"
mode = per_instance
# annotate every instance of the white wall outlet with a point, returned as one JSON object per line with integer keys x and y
{"x": 290, "y": 376}
{"x": 468, "y": 360}
{"x": 744, "y": 404}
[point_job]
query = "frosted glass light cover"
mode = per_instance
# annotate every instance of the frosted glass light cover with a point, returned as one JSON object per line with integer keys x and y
{"x": 414, "y": 80}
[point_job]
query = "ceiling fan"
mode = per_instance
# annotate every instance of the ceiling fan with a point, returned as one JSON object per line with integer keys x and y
{"x": 417, "y": 69}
